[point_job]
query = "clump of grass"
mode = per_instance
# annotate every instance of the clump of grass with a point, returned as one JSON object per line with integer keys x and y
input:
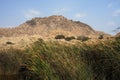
{"x": 104, "y": 59}
{"x": 58, "y": 62}
{"x": 10, "y": 60}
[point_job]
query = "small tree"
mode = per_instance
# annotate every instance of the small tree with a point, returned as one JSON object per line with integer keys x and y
{"x": 60, "y": 37}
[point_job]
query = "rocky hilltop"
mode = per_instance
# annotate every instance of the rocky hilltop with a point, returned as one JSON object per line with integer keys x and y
{"x": 49, "y": 27}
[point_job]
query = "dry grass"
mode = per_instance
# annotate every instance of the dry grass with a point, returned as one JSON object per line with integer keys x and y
{"x": 52, "y": 60}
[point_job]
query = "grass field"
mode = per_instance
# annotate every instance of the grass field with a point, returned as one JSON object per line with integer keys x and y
{"x": 55, "y": 61}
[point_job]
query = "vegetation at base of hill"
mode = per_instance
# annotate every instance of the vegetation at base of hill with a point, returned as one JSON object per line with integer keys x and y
{"x": 55, "y": 61}
{"x": 83, "y": 38}
{"x": 8, "y": 42}
{"x": 69, "y": 38}
{"x": 60, "y": 37}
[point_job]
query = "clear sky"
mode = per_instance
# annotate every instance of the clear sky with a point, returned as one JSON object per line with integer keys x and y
{"x": 103, "y": 15}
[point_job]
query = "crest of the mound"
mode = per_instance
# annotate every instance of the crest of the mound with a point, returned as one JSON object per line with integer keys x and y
{"x": 50, "y": 27}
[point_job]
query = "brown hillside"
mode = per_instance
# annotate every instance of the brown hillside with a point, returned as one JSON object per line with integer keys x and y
{"x": 117, "y": 35}
{"x": 49, "y": 27}
{"x": 46, "y": 28}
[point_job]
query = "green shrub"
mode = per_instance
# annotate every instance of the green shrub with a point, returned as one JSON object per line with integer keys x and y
{"x": 100, "y": 37}
{"x": 69, "y": 38}
{"x": 83, "y": 38}
{"x": 31, "y": 22}
{"x": 8, "y": 42}
{"x": 60, "y": 37}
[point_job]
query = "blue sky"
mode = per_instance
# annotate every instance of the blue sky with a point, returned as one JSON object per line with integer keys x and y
{"x": 103, "y": 15}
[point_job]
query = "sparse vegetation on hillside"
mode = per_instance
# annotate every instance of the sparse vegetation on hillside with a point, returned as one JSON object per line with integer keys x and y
{"x": 31, "y": 22}
{"x": 60, "y": 37}
{"x": 100, "y": 37}
{"x": 69, "y": 38}
{"x": 83, "y": 38}
{"x": 8, "y": 42}
{"x": 63, "y": 37}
